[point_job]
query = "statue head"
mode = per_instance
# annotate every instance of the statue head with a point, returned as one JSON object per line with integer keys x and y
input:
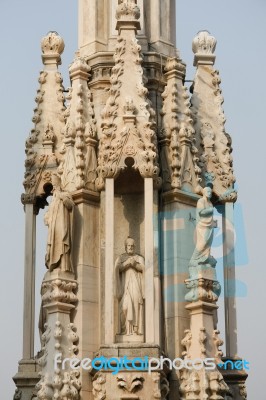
{"x": 207, "y": 192}
{"x": 130, "y": 245}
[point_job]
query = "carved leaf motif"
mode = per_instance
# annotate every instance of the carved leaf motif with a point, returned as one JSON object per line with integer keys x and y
{"x": 17, "y": 395}
{"x": 177, "y": 135}
{"x": 45, "y": 138}
{"x": 130, "y": 383}
{"x": 209, "y": 120}
{"x": 99, "y": 391}
{"x": 186, "y": 342}
{"x": 202, "y": 341}
{"x": 217, "y": 343}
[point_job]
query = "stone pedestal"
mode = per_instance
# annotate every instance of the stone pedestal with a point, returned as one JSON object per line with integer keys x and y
{"x": 128, "y": 384}
{"x": 200, "y": 342}
{"x": 26, "y": 379}
{"x": 59, "y": 338}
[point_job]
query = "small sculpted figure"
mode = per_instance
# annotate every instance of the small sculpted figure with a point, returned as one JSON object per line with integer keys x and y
{"x": 59, "y": 219}
{"x": 204, "y": 231}
{"x": 129, "y": 274}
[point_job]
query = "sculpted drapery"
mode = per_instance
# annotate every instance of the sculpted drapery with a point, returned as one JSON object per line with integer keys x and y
{"x": 129, "y": 284}
{"x": 204, "y": 231}
{"x": 59, "y": 219}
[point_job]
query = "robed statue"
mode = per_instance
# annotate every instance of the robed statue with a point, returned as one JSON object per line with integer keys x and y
{"x": 204, "y": 231}
{"x": 129, "y": 284}
{"x": 59, "y": 219}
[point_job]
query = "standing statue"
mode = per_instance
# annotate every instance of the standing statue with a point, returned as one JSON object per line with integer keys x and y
{"x": 204, "y": 231}
{"x": 129, "y": 283}
{"x": 59, "y": 219}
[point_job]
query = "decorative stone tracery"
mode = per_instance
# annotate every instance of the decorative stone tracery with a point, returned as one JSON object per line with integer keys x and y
{"x": 127, "y": 121}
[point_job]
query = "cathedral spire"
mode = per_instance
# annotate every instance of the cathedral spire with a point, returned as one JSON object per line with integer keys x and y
{"x": 78, "y": 166}
{"x": 43, "y": 144}
{"x": 212, "y": 139}
{"x": 127, "y": 119}
{"x": 179, "y": 155}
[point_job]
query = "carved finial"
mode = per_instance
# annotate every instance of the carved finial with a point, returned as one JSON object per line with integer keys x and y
{"x": 127, "y": 10}
{"x": 79, "y": 69}
{"x": 203, "y": 47}
{"x": 52, "y": 47}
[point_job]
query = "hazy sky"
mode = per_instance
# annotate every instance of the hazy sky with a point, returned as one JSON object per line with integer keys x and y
{"x": 240, "y": 29}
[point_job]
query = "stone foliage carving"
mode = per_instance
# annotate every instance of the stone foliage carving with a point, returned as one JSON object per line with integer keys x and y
{"x": 79, "y": 162}
{"x": 217, "y": 386}
{"x": 217, "y": 343}
{"x": 186, "y": 343}
{"x": 204, "y": 43}
{"x": 127, "y": 121}
{"x": 65, "y": 387}
{"x": 130, "y": 383}
{"x": 59, "y": 290}
{"x": 212, "y": 140}
{"x": 203, "y": 289}
{"x": 98, "y": 386}
{"x": 53, "y": 290}
{"x": 229, "y": 195}
{"x": 190, "y": 385}
{"x": 202, "y": 341}
{"x": 17, "y": 395}
{"x": 243, "y": 391}
{"x": 44, "y": 142}
{"x": 52, "y": 44}
{"x": 59, "y": 219}
{"x": 179, "y": 155}
{"x": 57, "y": 383}
{"x": 129, "y": 284}
{"x": 42, "y": 361}
{"x": 203, "y": 385}
{"x": 127, "y": 9}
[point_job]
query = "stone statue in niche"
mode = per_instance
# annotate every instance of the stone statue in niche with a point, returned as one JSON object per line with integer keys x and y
{"x": 204, "y": 231}
{"x": 129, "y": 284}
{"x": 59, "y": 219}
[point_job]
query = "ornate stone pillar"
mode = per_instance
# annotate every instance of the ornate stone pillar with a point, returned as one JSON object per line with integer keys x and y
{"x": 59, "y": 338}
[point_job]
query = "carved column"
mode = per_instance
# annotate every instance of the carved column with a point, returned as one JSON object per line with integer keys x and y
{"x": 29, "y": 280}
{"x": 161, "y": 25}
{"x": 27, "y": 375}
{"x": 229, "y": 281}
{"x": 109, "y": 261}
{"x": 149, "y": 263}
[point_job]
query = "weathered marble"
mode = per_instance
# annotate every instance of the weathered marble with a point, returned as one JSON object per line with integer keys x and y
{"x": 129, "y": 158}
